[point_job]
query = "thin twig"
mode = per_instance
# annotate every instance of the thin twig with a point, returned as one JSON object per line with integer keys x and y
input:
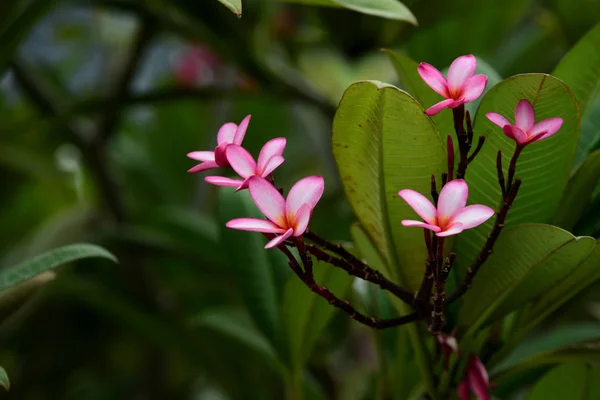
{"x": 480, "y": 143}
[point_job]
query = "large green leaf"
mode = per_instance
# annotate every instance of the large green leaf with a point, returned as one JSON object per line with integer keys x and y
{"x": 576, "y": 381}
{"x": 234, "y": 5}
{"x": 527, "y": 261}
{"x": 391, "y": 9}
{"x": 544, "y": 167}
{"x": 14, "y": 275}
{"x": 248, "y": 258}
{"x": 578, "y": 195}
{"x": 580, "y": 69}
{"x": 305, "y": 314}
{"x": 382, "y": 143}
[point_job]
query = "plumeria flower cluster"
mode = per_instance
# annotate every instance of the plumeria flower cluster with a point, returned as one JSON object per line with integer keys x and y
{"x": 285, "y": 217}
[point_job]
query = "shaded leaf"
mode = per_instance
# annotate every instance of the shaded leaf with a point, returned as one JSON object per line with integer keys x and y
{"x": 392, "y": 9}
{"x": 4, "y": 381}
{"x": 568, "y": 381}
{"x": 234, "y": 5}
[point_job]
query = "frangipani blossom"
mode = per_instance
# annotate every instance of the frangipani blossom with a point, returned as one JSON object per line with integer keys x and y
{"x": 229, "y": 133}
{"x": 525, "y": 130}
{"x": 243, "y": 163}
{"x": 286, "y": 217}
{"x": 476, "y": 381}
{"x": 452, "y": 215}
{"x": 462, "y": 85}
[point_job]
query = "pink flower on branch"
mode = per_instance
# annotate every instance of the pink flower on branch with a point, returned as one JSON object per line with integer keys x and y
{"x": 286, "y": 217}
{"x": 476, "y": 381}
{"x": 243, "y": 163}
{"x": 452, "y": 215}
{"x": 229, "y": 133}
{"x": 525, "y": 130}
{"x": 462, "y": 85}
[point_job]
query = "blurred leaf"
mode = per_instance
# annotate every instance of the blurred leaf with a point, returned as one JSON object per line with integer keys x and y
{"x": 544, "y": 167}
{"x": 12, "y": 276}
{"x": 577, "y": 196}
{"x": 493, "y": 79}
{"x": 247, "y": 256}
{"x": 4, "y": 381}
{"x": 580, "y": 69}
{"x": 547, "y": 342}
{"x": 567, "y": 381}
{"x": 527, "y": 261}
{"x": 383, "y": 142}
{"x": 14, "y": 297}
{"x": 305, "y": 315}
{"x": 234, "y": 5}
{"x": 391, "y": 9}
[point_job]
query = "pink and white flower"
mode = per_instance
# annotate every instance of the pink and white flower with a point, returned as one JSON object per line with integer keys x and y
{"x": 286, "y": 217}
{"x": 462, "y": 85}
{"x": 452, "y": 215}
{"x": 476, "y": 381}
{"x": 229, "y": 133}
{"x": 525, "y": 130}
{"x": 243, "y": 163}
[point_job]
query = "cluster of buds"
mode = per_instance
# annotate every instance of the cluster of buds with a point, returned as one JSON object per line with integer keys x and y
{"x": 446, "y": 214}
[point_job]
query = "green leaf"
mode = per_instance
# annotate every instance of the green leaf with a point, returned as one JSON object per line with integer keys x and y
{"x": 527, "y": 261}
{"x": 305, "y": 314}
{"x": 382, "y": 143}
{"x": 540, "y": 345}
{"x": 234, "y": 5}
{"x": 14, "y": 275}
{"x": 4, "y": 381}
{"x": 544, "y": 167}
{"x": 391, "y": 9}
{"x": 578, "y": 194}
{"x": 567, "y": 381}
{"x": 580, "y": 69}
{"x": 248, "y": 258}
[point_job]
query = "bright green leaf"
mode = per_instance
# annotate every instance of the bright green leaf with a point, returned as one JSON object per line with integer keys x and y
{"x": 234, "y": 5}
{"x": 578, "y": 194}
{"x": 382, "y": 143}
{"x": 544, "y": 167}
{"x": 567, "y": 381}
{"x": 527, "y": 260}
{"x": 14, "y": 275}
{"x": 247, "y": 256}
{"x": 392, "y": 9}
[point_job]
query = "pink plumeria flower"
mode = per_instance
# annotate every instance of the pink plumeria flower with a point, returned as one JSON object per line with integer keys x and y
{"x": 229, "y": 133}
{"x": 525, "y": 130}
{"x": 243, "y": 163}
{"x": 452, "y": 215}
{"x": 462, "y": 85}
{"x": 286, "y": 217}
{"x": 476, "y": 381}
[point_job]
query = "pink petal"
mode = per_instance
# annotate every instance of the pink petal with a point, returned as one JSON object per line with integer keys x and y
{"x": 268, "y": 200}
{"x": 524, "y": 115}
{"x": 453, "y": 197}
{"x": 204, "y": 166}
{"x": 473, "y": 88}
{"x": 222, "y": 181}
{"x": 433, "y": 78}
{"x": 477, "y": 367}
{"x": 270, "y": 166}
{"x": 202, "y": 155}
{"x": 478, "y": 379}
{"x": 408, "y": 222}
{"x": 220, "y": 156}
{"x": 302, "y": 219}
{"x": 241, "y": 130}
{"x": 254, "y": 225}
{"x": 460, "y": 70}
{"x": 497, "y": 119}
{"x": 552, "y": 125}
{"x": 420, "y": 204}
{"x": 436, "y": 108}
{"x": 240, "y": 160}
{"x": 273, "y": 147}
{"x": 306, "y": 191}
{"x": 227, "y": 133}
{"x": 453, "y": 229}
{"x": 536, "y": 138}
{"x": 277, "y": 240}
{"x": 472, "y": 216}
{"x": 463, "y": 390}
{"x": 515, "y": 133}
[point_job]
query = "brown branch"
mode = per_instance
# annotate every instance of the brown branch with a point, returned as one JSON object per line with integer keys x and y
{"x": 480, "y": 143}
